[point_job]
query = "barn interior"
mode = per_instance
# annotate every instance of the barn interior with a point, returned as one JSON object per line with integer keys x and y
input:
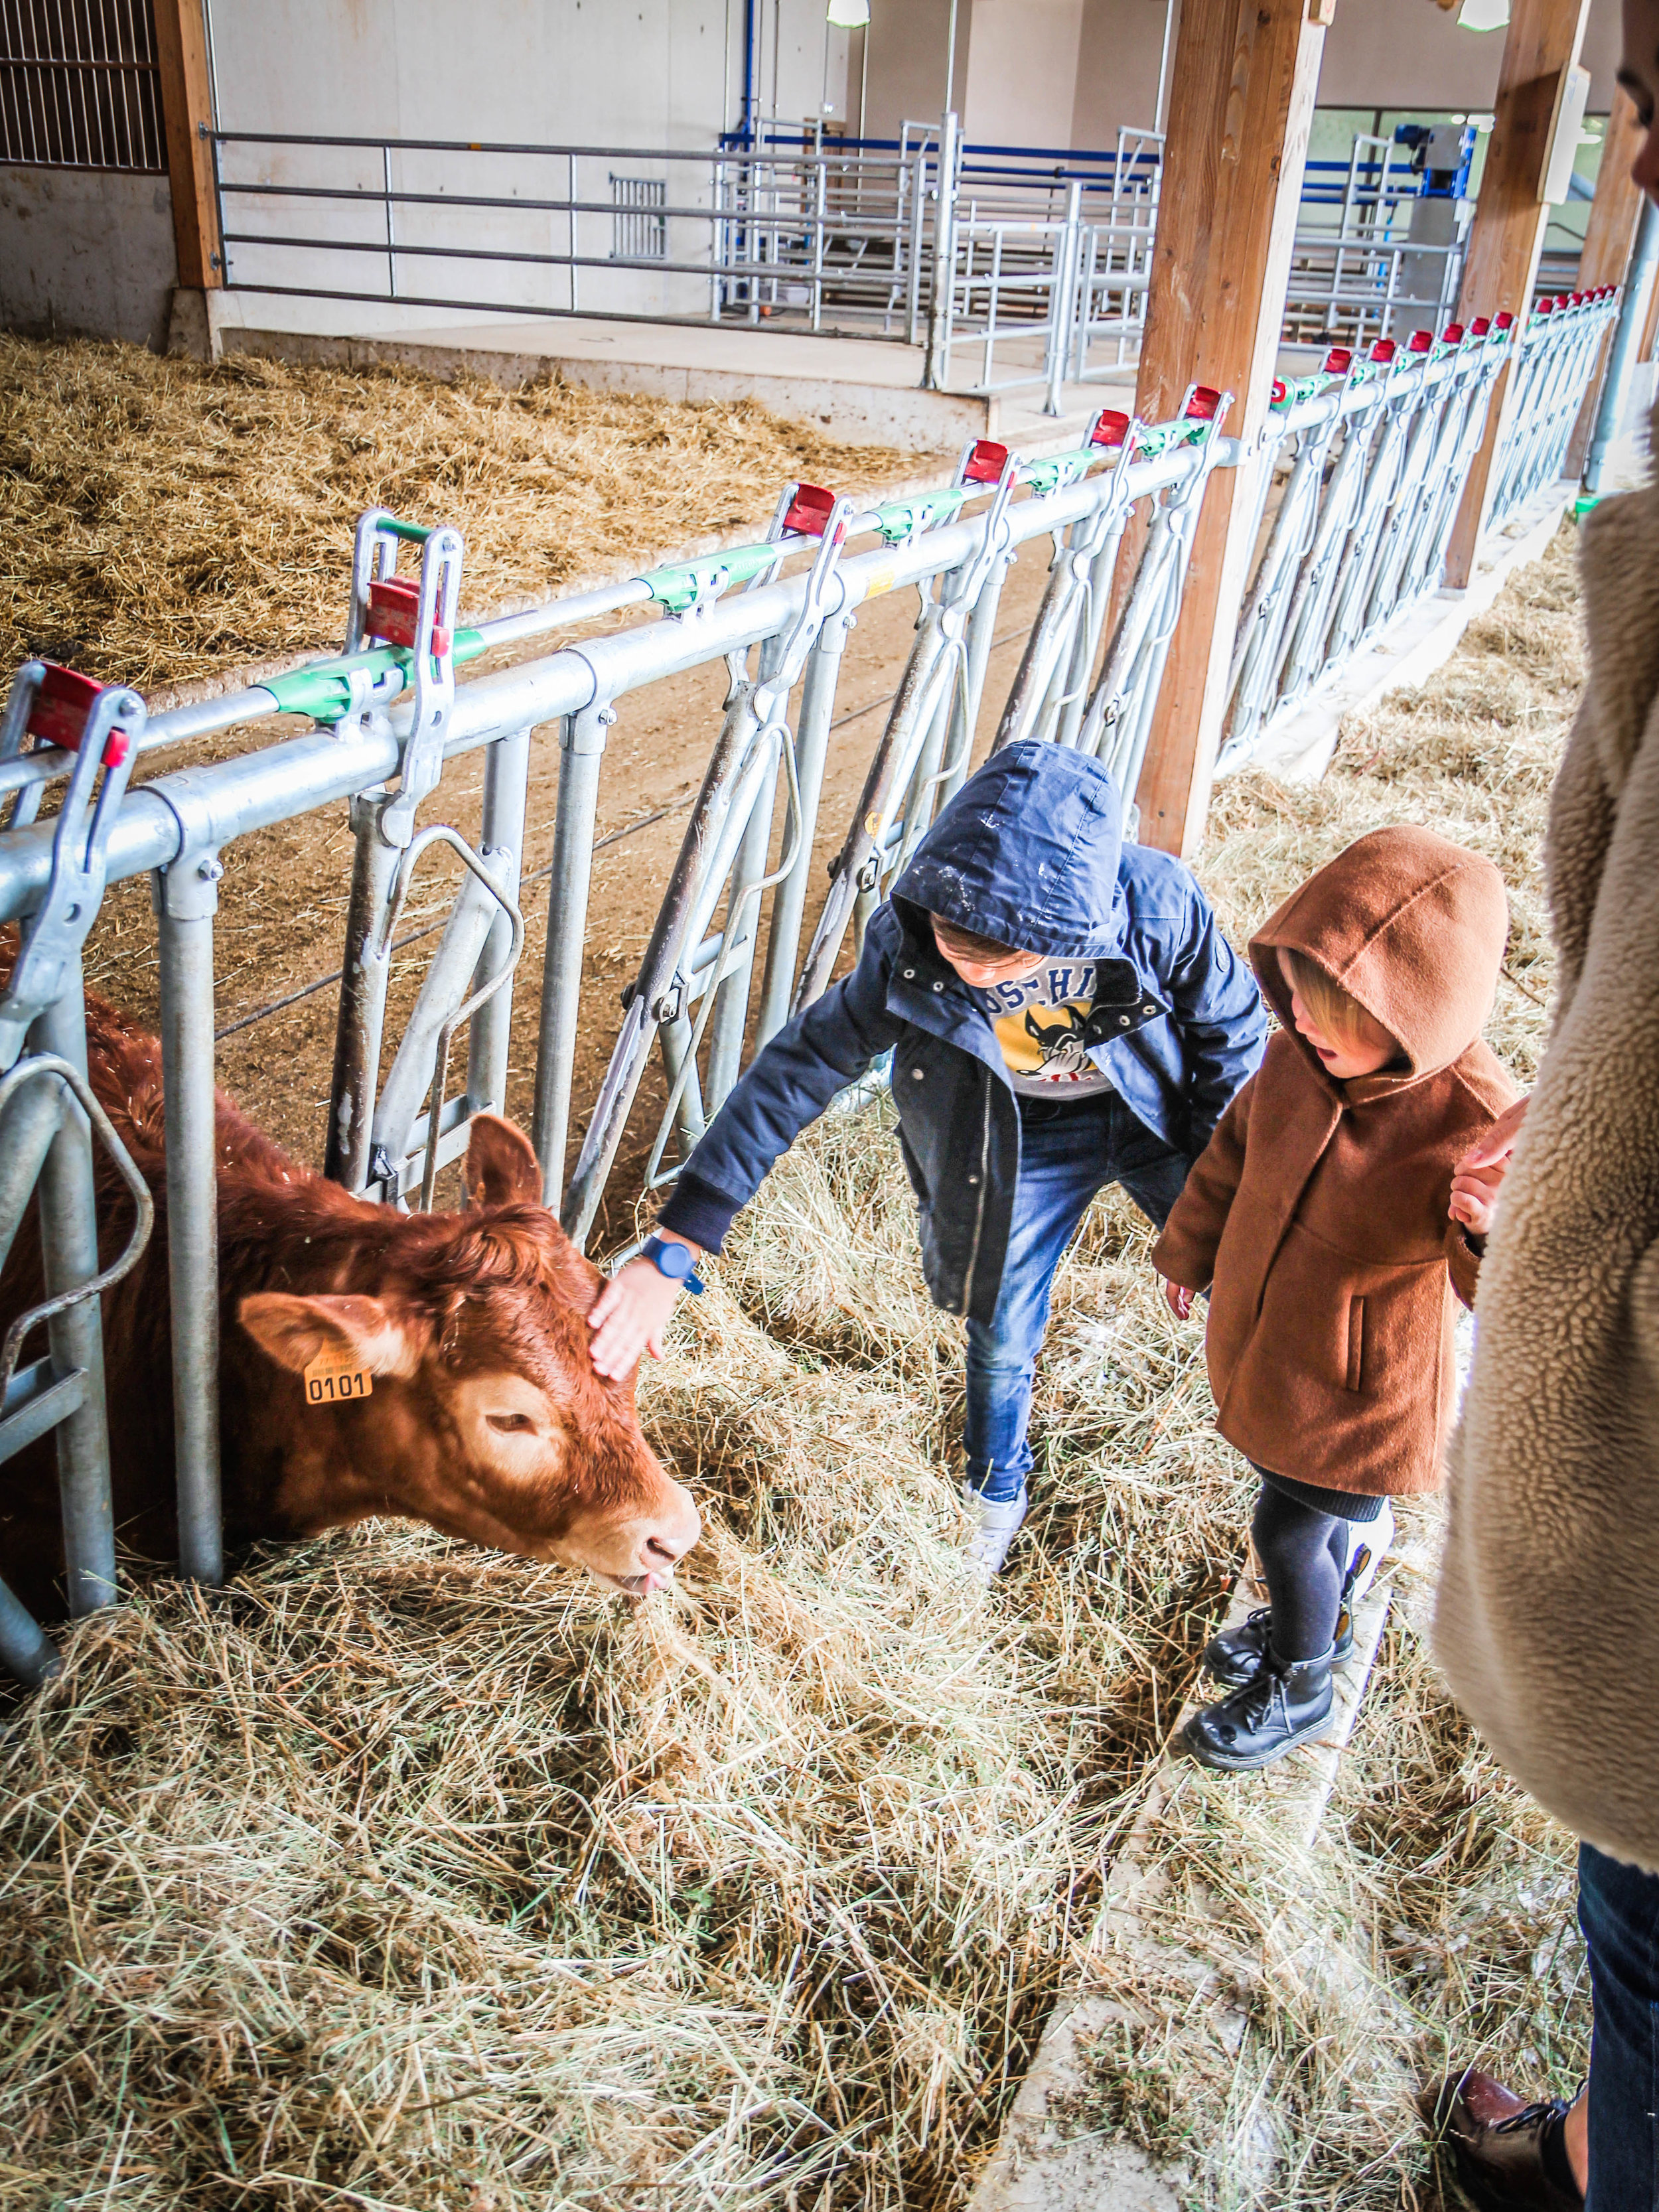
{"x": 381, "y": 1869}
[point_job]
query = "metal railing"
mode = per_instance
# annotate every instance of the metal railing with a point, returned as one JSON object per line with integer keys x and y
{"x": 386, "y": 716}
{"x": 1366, "y": 463}
{"x": 839, "y": 236}
{"x": 1360, "y": 481}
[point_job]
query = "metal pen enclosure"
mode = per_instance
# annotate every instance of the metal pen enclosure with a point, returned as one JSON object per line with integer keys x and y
{"x": 387, "y": 714}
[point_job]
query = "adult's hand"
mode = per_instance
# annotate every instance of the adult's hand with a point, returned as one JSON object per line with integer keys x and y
{"x": 1479, "y": 1176}
{"x": 629, "y": 1316}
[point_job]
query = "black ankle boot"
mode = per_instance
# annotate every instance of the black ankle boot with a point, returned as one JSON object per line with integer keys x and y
{"x": 1288, "y": 1701}
{"x": 1237, "y": 1655}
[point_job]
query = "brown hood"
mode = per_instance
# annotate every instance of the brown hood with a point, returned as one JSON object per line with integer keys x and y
{"x": 1412, "y": 927}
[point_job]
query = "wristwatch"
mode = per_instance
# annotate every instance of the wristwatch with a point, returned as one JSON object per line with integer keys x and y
{"x": 673, "y": 1260}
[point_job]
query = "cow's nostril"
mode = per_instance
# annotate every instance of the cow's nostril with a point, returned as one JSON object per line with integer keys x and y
{"x": 658, "y": 1550}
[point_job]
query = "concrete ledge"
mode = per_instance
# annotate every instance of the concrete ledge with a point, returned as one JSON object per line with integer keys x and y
{"x": 864, "y": 413}
{"x": 1042, "y": 2164}
{"x": 1299, "y": 747}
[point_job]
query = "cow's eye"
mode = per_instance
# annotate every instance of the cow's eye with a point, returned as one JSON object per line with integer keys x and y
{"x": 511, "y": 1424}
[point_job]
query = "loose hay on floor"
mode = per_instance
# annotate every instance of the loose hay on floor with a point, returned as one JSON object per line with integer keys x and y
{"x": 412, "y": 1877}
{"x": 166, "y": 521}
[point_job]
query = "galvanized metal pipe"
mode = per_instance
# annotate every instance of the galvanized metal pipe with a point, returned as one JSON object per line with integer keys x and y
{"x": 360, "y": 1023}
{"x": 186, "y": 898}
{"x": 68, "y": 1245}
{"x": 818, "y": 708}
{"x": 582, "y": 741}
{"x": 489, "y": 1043}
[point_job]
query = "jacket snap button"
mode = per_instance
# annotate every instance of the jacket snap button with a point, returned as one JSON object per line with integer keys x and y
{"x": 910, "y": 974}
{"x": 973, "y": 1178}
{"x": 938, "y": 987}
{"x": 917, "y": 1072}
{"x": 1123, "y": 1021}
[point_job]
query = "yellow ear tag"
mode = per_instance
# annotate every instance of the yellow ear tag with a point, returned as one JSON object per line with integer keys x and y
{"x": 334, "y": 1377}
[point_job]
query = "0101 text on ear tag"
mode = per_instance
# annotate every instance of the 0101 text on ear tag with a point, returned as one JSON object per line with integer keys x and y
{"x": 333, "y": 1377}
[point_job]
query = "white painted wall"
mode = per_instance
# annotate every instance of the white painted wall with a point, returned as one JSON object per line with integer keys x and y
{"x": 1021, "y": 72}
{"x": 660, "y": 75}
{"x": 86, "y": 252}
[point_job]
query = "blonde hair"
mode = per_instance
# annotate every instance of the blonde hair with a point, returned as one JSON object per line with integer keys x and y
{"x": 1340, "y": 1016}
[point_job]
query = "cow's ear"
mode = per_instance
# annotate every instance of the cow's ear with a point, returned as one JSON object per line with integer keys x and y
{"x": 502, "y": 1170}
{"x": 386, "y": 1338}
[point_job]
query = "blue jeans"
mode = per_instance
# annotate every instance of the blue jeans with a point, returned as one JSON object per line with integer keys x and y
{"x": 1066, "y": 1157}
{"x": 1619, "y": 1912}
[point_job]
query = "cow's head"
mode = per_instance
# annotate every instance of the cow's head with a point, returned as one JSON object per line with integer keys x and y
{"x": 486, "y": 1417}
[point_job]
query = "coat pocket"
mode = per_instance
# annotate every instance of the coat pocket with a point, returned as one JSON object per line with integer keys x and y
{"x": 1356, "y": 1344}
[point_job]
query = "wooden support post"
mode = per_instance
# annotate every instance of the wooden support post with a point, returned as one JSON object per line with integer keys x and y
{"x": 181, "y": 57}
{"x": 1507, "y": 235}
{"x": 1243, "y": 95}
{"x": 1609, "y": 237}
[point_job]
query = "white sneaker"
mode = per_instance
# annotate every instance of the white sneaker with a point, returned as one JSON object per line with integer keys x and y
{"x": 1373, "y": 1536}
{"x": 993, "y": 1528}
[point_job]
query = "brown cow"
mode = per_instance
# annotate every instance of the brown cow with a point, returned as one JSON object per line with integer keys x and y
{"x": 485, "y": 1417}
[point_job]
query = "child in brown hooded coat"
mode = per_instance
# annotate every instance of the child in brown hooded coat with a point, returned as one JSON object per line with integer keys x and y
{"x": 1323, "y": 1222}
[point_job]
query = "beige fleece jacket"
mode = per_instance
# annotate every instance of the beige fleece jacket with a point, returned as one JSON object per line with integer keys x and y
{"x": 1547, "y": 1621}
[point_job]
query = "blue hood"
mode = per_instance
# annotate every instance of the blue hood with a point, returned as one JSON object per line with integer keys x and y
{"x": 1027, "y": 854}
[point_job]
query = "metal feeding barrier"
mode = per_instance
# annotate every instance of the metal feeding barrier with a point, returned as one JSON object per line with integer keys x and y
{"x": 1370, "y": 460}
{"x": 1362, "y": 475}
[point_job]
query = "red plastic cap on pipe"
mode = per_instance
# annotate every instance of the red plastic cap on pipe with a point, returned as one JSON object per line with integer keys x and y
{"x": 808, "y": 513}
{"x": 1382, "y": 352}
{"x": 1479, "y": 326}
{"x": 1546, "y": 307}
{"x": 1110, "y": 429}
{"x": 1201, "y": 407}
{"x": 1503, "y": 321}
{"x": 1420, "y": 342}
{"x": 1338, "y": 361}
{"x": 1452, "y": 335}
{"x": 985, "y": 463}
{"x": 1276, "y": 399}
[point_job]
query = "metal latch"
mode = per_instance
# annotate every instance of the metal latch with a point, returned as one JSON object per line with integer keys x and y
{"x": 101, "y": 725}
{"x": 387, "y": 609}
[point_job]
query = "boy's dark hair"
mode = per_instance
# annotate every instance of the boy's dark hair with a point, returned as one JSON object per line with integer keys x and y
{"x": 970, "y": 943}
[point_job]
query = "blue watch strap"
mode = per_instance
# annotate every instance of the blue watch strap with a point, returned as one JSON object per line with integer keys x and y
{"x": 674, "y": 1262}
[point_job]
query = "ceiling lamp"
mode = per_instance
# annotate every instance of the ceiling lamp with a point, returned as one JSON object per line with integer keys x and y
{"x": 849, "y": 14}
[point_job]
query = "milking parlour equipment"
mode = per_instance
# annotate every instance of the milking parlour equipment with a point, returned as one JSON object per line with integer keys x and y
{"x": 372, "y": 1147}
{"x": 56, "y": 720}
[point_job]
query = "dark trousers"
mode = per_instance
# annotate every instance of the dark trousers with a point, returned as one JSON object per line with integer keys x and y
{"x": 1305, "y": 1560}
{"x": 1619, "y": 1912}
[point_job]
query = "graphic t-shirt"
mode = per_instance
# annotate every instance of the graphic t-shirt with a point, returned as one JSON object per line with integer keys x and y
{"x": 1045, "y": 1026}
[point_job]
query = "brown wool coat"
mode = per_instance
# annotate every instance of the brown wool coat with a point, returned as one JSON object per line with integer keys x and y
{"x": 1547, "y": 1623}
{"x": 1316, "y": 1217}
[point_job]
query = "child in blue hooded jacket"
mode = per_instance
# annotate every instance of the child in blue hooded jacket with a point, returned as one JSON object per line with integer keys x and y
{"x": 1063, "y": 1013}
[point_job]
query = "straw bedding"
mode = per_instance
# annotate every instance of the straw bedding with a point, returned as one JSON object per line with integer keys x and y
{"x": 166, "y": 521}
{"x": 409, "y": 1876}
